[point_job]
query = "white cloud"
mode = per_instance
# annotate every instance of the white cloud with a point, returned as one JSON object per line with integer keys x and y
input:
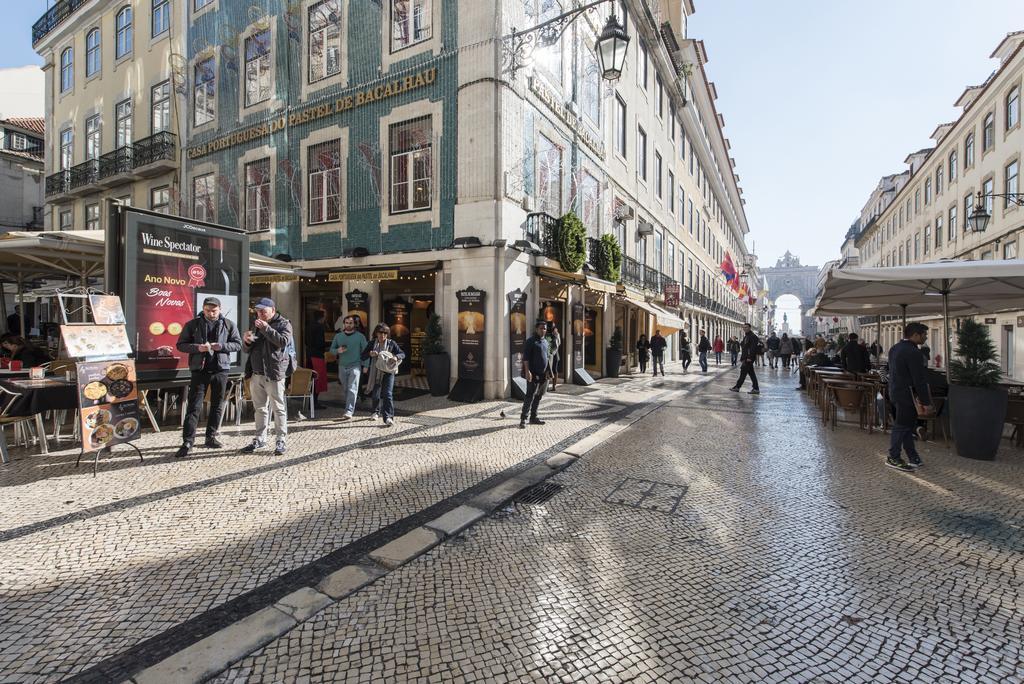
{"x": 21, "y": 91}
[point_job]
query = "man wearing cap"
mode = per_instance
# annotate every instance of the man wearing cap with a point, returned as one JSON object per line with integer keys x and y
{"x": 535, "y": 370}
{"x": 208, "y": 339}
{"x": 268, "y": 345}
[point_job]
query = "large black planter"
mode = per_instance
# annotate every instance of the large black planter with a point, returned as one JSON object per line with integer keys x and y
{"x": 439, "y": 367}
{"x": 612, "y": 358}
{"x": 976, "y": 416}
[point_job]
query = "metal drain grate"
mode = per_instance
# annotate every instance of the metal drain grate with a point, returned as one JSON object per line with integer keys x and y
{"x": 539, "y": 493}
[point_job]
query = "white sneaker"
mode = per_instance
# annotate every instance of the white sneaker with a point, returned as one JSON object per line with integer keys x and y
{"x": 375, "y": 417}
{"x": 347, "y": 416}
{"x": 388, "y": 422}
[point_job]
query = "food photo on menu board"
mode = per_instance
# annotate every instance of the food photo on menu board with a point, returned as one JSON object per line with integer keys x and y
{"x": 106, "y": 309}
{"x": 177, "y": 265}
{"x": 83, "y": 341}
{"x": 108, "y": 398}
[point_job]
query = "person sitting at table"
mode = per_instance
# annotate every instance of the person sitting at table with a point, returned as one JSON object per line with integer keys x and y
{"x": 19, "y": 349}
{"x": 854, "y": 357}
{"x": 813, "y": 357}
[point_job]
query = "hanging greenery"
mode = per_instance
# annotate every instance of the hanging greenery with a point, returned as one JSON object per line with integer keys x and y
{"x": 609, "y": 258}
{"x": 977, "y": 366}
{"x": 572, "y": 243}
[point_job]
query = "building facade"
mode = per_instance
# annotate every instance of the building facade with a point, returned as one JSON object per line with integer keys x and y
{"x": 923, "y": 217}
{"x": 21, "y": 173}
{"x": 391, "y": 149}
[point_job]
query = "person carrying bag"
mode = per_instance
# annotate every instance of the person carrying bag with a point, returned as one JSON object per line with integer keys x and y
{"x": 386, "y": 358}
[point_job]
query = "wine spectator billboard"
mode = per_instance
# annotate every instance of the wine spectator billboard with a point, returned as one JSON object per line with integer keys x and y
{"x": 164, "y": 268}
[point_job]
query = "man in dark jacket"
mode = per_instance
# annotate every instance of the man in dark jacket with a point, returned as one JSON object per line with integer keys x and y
{"x": 907, "y": 378}
{"x": 774, "y": 345}
{"x": 208, "y": 339}
{"x": 535, "y": 370}
{"x": 703, "y": 347}
{"x": 658, "y": 345}
{"x": 748, "y": 355}
{"x": 854, "y": 358}
{"x": 269, "y": 346}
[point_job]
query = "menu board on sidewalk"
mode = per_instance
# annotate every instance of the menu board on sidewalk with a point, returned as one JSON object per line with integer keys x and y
{"x": 108, "y": 399}
{"x": 167, "y": 268}
{"x": 84, "y": 341}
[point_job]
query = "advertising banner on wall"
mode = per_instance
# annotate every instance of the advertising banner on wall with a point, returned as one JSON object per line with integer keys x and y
{"x": 471, "y": 329}
{"x": 577, "y": 335}
{"x": 519, "y": 329}
{"x": 359, "y": 306}
{"x": 166, "y": 267}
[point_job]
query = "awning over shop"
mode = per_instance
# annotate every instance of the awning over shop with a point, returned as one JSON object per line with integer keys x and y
{"x": 555, "y": 274}
{"x": 667, "y": 321}
{"x": 599, "y": 285}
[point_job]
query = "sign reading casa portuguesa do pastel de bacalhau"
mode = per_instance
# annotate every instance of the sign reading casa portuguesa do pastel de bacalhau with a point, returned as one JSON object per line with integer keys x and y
{"x": 313, "y": 112}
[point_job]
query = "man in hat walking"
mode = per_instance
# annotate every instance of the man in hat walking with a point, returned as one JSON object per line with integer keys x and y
{"x": 268, "y": 345}
{"x": 535, "y": 370}
{"x": 208, "y": 339}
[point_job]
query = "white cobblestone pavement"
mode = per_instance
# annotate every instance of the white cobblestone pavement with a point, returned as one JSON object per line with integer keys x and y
{"x": 94, "y": 567}
{"x": 721, "y": 538}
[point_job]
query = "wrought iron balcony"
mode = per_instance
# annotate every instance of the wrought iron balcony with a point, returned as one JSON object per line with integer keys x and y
{"x": 54, "y": 17}
{"x": 632, "y": 272}
{"x": 58, "y": 183}
{"x": 652, "y": 279}
{"x": 85, "y": 175}
{"x": 119, "y": 163}
{"x": 155, "y": 153}
{"x": 542, "y": 229}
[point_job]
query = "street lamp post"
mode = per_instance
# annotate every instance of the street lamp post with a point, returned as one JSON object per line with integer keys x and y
{"x": 977, "y": 222}
{"x": 610, "y": 47}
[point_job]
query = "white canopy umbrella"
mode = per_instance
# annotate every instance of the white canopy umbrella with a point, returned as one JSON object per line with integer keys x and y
{"x": 942, "y": 287}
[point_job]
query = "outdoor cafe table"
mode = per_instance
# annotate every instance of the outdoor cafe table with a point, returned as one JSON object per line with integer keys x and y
{"x": 863, "y": 385}
{"x": 39, "y": 396}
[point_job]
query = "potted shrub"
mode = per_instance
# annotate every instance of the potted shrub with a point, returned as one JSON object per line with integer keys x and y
{"x": 436, "y": 359}
{"x": 609, "y": 258}
{"x": 613, "y": 354}
{"x": 977, "y": 405}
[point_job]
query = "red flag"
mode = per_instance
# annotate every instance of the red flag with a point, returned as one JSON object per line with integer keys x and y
{"x": 728, "y": 269}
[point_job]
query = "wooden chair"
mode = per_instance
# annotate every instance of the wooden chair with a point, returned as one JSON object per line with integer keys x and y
{"x": 1015, "y": 417}
{"x": 22, "y": 425}
{"x": 301, "y": 387}
{"x": 848, "y": 398}
{"x": 937, "y": 418}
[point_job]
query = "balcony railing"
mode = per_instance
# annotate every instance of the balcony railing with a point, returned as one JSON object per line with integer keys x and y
{"x": 58, "y": 183}
{"x": 542, "y": 229}
{"x": 120, "y": 161}
{"x": 157, "y": 147}
{"x": 632, "y": 272}
{"x": 54, "y": 17}
{"x": 652, "y": 278}
{"x": 86, "y": 173}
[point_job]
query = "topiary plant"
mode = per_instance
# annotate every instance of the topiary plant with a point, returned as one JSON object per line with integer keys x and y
{"x": 572, "y": 243}
{"x": 609, "y": 258}
{"x": 615, "y": 341}
{"x": 977, "y": 365}
{"x": 432, "y": 343}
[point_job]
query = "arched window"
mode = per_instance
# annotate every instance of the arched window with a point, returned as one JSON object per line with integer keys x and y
{"x": 1013, "y": 108}
{"x": 124, "y": 32}
{"x": 92, "y": 52}
{"x": 67, "y": 70}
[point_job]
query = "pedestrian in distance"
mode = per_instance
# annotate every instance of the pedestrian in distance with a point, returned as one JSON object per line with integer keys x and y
{"x": 734, "y": 349}
{"x": 718, "y": 347}
{"x": 685, "y": 351}
{"x": 209, "y": 340}
{"x": 703, "y": 347}
{"x": 785, "y": 350}
{"x": 535, "y": 370}
{"x": 554, "y": 339}
{"x": 384, "y": 356}
{"x": 658, "y": 345}
{"x": 268, "y": 345}
{"x": 316, "y": 345}
{"x": 643, "y": 352}
{"x": 908, "y": 390}
{"x": 348, "y": 346}
{"x": 773, "y": 345}
{"x": 748, "y": 357}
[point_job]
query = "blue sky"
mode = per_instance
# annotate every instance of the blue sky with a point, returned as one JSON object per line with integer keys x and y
{"x": 821, "y": 99}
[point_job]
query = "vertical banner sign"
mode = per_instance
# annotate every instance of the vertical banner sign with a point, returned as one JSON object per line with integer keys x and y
{"x": 672, "y": 295}
{"x": 397, "y": 318}
{"x": 519, "y": 327}
{"x": 359, "y": 306}
{"x": 108, "y": 397}
{"x": 577, "y": 335}
{"x": 471, "y": 333}
{"x": 590, "y": 330}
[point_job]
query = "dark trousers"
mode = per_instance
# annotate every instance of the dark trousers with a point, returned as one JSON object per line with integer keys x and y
{"x": 718, "y": 358}
{"x": 902, "y": 436}
{"x": 702, "y": 357}
{"x": 747, "y": 368}
{"x": 384, "y": 396}
{"x": 658, "y": 360}
{"x": 687, "y": 360}
{"x": 534, "y": 391}
{"x": 217, "y": 382}
{"x": 732, "y": 357}
{"x": 643, "y": 364}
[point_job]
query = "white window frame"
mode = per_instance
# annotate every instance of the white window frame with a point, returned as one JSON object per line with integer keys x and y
{"x": 164, "y": 103}
{"x": 93, "y": 53}
{"x": 92, "y": 216}
{"x": 204, "y": 93}
{"x": 324, "y": 32}
{"x": 400, "y": 114}
{"x": 67, "y": 69}
{"x": 124, "y": 28}
{"x": 261, "y": 211}
{"x": 324, "y": 179}
{"x": 425, "y": 8}
{"x": 123, "y": 125}
{"x": 207, "y": 210}
{"x": 93, "y": 138}
{"x": 262, "y": 69}
{"x": 412, "y": 159}
{"x": 160, "y": 9}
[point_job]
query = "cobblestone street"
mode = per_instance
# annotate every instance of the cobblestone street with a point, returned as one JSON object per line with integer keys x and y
{"x": 721, "y": 537}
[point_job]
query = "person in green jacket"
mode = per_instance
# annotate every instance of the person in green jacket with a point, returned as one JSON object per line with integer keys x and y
{"x": 348, "y": 346}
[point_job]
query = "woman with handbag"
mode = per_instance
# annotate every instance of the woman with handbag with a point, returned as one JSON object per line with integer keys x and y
{"x": 385, "y": 357}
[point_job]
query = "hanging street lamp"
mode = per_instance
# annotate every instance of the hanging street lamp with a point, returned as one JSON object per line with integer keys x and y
{"x": 977, "y": 222}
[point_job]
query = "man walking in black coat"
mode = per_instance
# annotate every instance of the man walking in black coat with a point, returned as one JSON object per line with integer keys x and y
{"x": 535, "y": 370}
{"x": 907, "y": 379}
{"x": 748, "y": 355}
{"x": 658, "y": 345}
{"x": 208, "y": 339}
